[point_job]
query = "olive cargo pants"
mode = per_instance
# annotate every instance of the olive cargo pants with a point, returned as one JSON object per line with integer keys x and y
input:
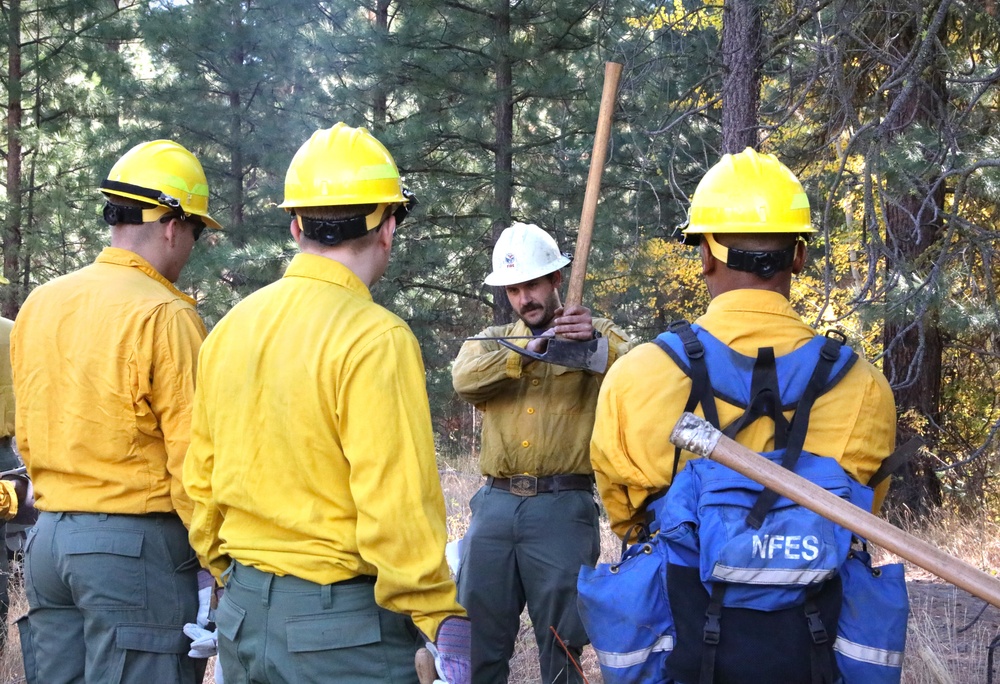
{"x": 526, "y": 550}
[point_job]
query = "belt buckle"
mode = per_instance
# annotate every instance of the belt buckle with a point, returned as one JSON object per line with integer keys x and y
{"x": 524, "y": 485}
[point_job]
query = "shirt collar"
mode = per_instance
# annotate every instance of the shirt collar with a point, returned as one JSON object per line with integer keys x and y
{"x": 317, "y": 267}
{"x": 124, "y": 257}
{"x": 752, "y": 301}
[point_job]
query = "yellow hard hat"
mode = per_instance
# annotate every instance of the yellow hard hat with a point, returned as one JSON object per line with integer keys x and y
{"x": 339, "y": 166}
{"x": 164, "y": 173}
{"x": 344, "y": 166}
{"x": 749, "y": 193}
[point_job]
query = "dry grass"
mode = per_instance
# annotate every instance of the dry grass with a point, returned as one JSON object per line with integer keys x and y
{"x": 949, "y": 633}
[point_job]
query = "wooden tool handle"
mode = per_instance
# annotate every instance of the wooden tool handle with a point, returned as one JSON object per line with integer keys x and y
{"x": 574, "y": 292}
{"x": 697, "y": 436}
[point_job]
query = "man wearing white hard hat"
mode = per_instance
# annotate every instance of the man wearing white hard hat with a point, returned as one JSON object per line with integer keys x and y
{"x": 534, "y": 522}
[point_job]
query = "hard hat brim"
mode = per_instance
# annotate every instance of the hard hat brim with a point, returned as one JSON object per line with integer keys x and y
{"x": 513, "y": 277}
{"x": 748, "y": 228}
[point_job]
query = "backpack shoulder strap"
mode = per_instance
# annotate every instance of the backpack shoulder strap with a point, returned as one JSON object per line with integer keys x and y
{"x": 696, "y": 368}
{"x": 799, "y": 426}
{"x": 895, "y": 461}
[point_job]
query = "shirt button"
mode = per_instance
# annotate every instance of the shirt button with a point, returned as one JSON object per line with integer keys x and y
{"x": 531, "y": 410}
{"x": 534, "y": 382}
{"x": 526, "y": 444}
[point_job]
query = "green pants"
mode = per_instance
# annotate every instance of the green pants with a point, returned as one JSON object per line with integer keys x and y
{"x": 522, "y": 550}
{"x": 108, "y": 597}
{"x": 286, "y": 630}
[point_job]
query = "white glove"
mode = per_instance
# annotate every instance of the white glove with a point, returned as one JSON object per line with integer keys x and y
{"x": 437, "y": 662}
{"x": 204, "y": 605}
{"x": 204, "y": 644}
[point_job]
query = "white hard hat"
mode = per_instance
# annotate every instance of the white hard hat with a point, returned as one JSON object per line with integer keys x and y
{"x": 524, "y": 252}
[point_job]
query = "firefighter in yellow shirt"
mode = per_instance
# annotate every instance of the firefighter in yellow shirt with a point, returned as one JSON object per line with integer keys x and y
{"x": 104, "y": 365}
{"x": 15, "y": 492}
{"x": 312, "y": 465}
{"x": 749, "y": 219}
{"x": 534, "y": 523}
{"x": 749, "y": 216}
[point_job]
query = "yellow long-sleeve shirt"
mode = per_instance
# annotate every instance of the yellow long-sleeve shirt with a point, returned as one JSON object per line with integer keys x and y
{"x": 537, "y": 417}
{"x": 644, "y": 395}
{"x": 312, "y": 453}
{"x": 8, "y": 497}
{"x": 104, "y": 366}
{"x": 6, "y": 380}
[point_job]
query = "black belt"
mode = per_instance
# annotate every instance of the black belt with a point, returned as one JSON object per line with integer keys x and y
{"x": 529, "y": 485}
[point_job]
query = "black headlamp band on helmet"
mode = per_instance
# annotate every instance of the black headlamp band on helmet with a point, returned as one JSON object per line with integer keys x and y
{"x": 762, "y": 263}
{"x": 154, "y": 196}
{"x": 332, "y": 232}
{"x": 117, "y": 213}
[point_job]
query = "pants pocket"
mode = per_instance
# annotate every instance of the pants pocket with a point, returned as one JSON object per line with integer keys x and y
{"x": 153, "y": 653}
{"x": 111, "y": 562}
{"x": 337, "y": 647}
{"x": 27, "y": 650}
{"x": 229, "y": 619}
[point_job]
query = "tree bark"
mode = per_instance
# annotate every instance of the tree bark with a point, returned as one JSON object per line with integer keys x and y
{"x": 913, "y": 226}
{"x": 503, "y": 169}
{"x": 741, "y": 81}
{"x": 380, "y": 97}
{"x": 235, "y": 229}
{"x": 12, "y": 233}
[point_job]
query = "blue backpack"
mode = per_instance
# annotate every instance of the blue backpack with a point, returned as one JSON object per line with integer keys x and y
{"x": 727, "y": 581}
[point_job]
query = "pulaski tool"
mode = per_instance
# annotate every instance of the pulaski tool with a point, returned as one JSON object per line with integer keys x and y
{"x": 590, "y": 354}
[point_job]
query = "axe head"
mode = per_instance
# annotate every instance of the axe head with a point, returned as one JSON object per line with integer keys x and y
{"x": 590, "y": 355}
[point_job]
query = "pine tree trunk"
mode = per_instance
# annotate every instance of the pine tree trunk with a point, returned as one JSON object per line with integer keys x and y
{"x": 741, "y": 46}
{"x": 914, "y": 227}
{"x": 12, "y": 235}
{"x": 236, "y": 217}
{"x": 503, "y": 183}
{"x": 380, "y": 103}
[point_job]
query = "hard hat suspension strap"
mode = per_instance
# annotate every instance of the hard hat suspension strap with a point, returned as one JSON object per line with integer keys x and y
{"x": 332, "y": 232}
{"x": 117, "y": 213}
{"x": 763, "y": 263}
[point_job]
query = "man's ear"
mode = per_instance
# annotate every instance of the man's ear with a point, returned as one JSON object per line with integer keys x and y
{"x": 557, "y": 279}
{"x": 707, "y": 260}
{"x": 387, "y": 232}
{"x": 799, "y": 260}
{"x": 170, "y": 231}
{"x": 295, "y": 229}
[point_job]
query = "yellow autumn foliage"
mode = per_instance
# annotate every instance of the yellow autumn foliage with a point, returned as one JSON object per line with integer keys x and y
{"x": 677, "y": 18}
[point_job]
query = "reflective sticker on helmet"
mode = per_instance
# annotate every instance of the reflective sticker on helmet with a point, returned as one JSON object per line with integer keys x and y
{"x": 510, "y": 260}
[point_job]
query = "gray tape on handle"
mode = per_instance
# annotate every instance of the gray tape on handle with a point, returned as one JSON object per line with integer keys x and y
{"x": 696, "y": 435}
